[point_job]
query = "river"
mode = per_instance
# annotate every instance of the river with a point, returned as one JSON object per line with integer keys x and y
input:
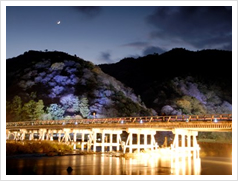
{"x": 106, "y": 164}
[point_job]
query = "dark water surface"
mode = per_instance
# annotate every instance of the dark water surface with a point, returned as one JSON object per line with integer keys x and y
{"x": 105, "y": 164}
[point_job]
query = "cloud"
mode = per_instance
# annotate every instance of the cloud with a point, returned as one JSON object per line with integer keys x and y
{"x": 199, "y": 26}
{"x": 105, "y": 56}
{"x": 152, "y": 50}
{"x": 138, "y": 45}
{"x": 89, "y": 11}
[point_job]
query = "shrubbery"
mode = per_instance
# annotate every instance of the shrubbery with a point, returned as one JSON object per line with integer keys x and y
{"x": 29, "y": 147}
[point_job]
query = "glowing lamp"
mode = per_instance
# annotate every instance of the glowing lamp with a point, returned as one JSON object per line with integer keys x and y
{"x": 122, "y": 122}
{"x": 215, "y": 120}
{"x": 76, "y": 123}
{"x": 141, "y": 121}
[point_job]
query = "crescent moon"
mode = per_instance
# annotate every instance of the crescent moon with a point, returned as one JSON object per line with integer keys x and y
{"x": 58, "y": 22}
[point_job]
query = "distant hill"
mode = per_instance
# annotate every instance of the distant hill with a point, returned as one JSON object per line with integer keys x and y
{"x": 179, "y": 81}
{"x": 56, "y": 85}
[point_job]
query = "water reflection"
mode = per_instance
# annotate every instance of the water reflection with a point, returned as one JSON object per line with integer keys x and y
{"x": 105, "y": 164}
{"x": 185, "y": 165}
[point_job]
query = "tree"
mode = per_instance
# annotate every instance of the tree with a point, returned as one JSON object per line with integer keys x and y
{"x": 14, "y": 109}
{"x": 56, "y": 111}
{"x": 39, "y": 109}
{"x": 70, "y": 103}
{"x": 33, "y": 110}
{"x": 83, "y": 107}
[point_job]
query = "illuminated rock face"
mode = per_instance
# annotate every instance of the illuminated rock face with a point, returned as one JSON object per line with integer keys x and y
{"x": 64, "y": 80}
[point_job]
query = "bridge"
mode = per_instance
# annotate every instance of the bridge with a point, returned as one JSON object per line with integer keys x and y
{"x": 185, "y": 128}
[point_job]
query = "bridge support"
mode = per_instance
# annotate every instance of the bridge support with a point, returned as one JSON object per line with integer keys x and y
{"x": 23, "y": 134}
{"x": 129, "y": 143}
{"x": 185, "y": 145}
{"x": 104, "y": 139}
{"x": 30, "y": 135}
{"x": 7, "y": 134}
{"x": 42, "y": 134}
{"x": 66, "y": 136}
{"x": 48, "y": 135}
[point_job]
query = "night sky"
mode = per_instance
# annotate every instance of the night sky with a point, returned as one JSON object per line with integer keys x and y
{"x": 107, "y": 34}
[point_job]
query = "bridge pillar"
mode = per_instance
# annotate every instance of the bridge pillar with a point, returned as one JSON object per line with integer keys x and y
{"x": 23, "y": 134}
{"x": 103, "y": 140}
{"x": 49, "y": 135}
{"x": 42, "y": 134}
{"x": 59, "y": 135}
{"x": 7, "y": 134}
{"x": 110, "y": 148}
{"x": 183, "y": 140}
{"x": 189, "y": 141}
{"x": 105, "y": 133}
{"x": 16, "y": 135}
{"x": 66, "y": 134}
{"x": 94, "y": 141}
{"x": 129, "y": 143}
{"x": 31, "y": 135}
{"x": 138, "y": 142}
{"x": 183, "y": 148}
{"x": 82, "y": 145}
{"x": 130, "y": 137}
{"x": 145, "y": 141}
{"x": 152, "y": 141}
{"x": 196, "y": 147}
{"x": 118, "y": 140}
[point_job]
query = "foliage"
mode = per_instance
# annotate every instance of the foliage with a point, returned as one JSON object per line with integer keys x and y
{"x": 14, "y": 109}
{"x": 23, "y": 112}
{"x": 84, "y": 107}
{"x": 57, "y": 66}
{"x": 33, "y": 110}
{"x": 190, "y": 105}
{"x": 56, "y": 111}
{"x": 36, "y": 147}
{"x": 70, "y": 103}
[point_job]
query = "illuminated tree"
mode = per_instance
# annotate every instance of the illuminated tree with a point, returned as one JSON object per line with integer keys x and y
{"x": 70, "y": 103}
{"x": 83, "y": 107}
{"x": 190, "y": 105}
{"x": 55, "y": 111}
{"x": 33, "y": 110}
{"x": 39, "y": 109}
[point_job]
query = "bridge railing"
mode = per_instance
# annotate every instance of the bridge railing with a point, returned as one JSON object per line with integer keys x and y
{"x": 128, "y": 120}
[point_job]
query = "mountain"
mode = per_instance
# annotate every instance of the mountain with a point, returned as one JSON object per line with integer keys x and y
{"x": 56, "y": 85}
{"x": 179, "y": 81}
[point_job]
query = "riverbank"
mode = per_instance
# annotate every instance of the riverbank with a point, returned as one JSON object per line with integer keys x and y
{"x": 15, "y": 149}
{"x": 49, "y": 148}
{"x": 37, "y": 147}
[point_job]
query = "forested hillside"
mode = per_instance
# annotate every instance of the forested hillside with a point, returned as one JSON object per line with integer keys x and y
{"x": 56, "y": 85}
{"x": 179, "y": 81}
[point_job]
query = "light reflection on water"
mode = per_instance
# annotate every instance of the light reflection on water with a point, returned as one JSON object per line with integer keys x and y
{"x": 105, "y": 164}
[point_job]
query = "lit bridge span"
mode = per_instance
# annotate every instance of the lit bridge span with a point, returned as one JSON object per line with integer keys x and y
{"x": 109, "y": 130}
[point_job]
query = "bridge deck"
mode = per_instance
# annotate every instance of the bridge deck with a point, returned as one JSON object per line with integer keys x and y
{"x": 221, "y": 122}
